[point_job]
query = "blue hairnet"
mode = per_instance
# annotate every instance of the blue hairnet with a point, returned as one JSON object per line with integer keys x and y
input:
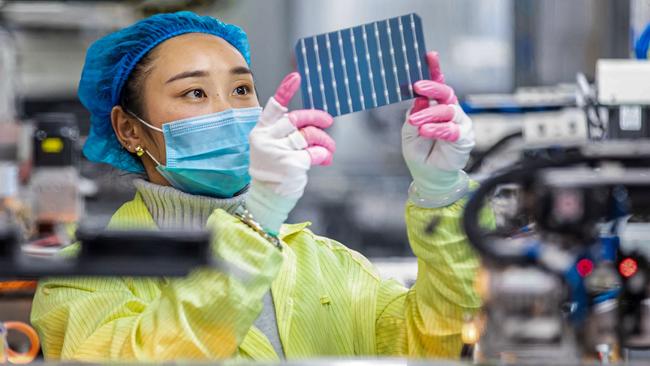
{"x": 111, "y": 59}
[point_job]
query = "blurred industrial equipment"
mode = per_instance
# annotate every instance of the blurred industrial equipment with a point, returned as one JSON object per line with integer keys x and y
{"x": 565, "y": 281}
{"x": 7, "y": 354}
{"x": 40, "y": 214}
{"x": 570, "y": 256}
{"x": 55, "y": 194}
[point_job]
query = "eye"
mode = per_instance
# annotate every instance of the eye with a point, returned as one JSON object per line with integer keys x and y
{"x": 195, "y": 94}
{"x": 242, "y": 90}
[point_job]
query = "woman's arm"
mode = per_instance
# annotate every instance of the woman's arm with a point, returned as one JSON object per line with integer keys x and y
{"x": 436, "y": 141}
{"x": 427, "y": 320}
{"x": 205, "y": 315}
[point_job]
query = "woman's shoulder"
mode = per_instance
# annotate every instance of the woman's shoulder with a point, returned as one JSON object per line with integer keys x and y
{"x": 305, "y": 243}
{"x": 132, "y": 215}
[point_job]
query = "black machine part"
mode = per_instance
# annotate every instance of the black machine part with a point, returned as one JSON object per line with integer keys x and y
{"x": 624, "y": 153}
{"x": 628, "y": 122}
{"x": 8, "y": 238}
{"x": 113, "y": 253}
{"x": 143, "y": 253}
{"x": 571, "y": 201}
{"x": 634, "y": 306}
{"x": 55, "y": 140}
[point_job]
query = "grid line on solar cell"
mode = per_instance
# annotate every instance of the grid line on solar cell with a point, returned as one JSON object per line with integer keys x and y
{"x": 362, "y": 67}
{"x": 392, "y": 58}
{"x": 331, "y": 66}
{"x": 372, "y": 81}
{"x": 306, "y": 77}
{"x": 406, "y": 64}
{"x": 362, "y": 97}
{"x": 416, "y": 45}
{"x": 319, "y": 68}
{"x": 380, "y": 56}
{"x": 345, "y": 72}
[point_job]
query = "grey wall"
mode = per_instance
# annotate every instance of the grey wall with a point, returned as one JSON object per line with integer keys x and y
{"x": 267, "y": 24}
{"x": 473, "y": 37}
{"x": 557, "y": 38}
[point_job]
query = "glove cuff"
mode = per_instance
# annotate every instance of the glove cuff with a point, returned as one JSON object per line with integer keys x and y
{"x": 268, "y": 208}
{"x": 442, "y": 190}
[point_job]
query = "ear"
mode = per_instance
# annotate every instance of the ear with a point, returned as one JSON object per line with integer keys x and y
{"x": 126, "y": 129}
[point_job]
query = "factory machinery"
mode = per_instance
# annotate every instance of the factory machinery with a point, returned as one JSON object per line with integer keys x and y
{"x": 566, "y": 268}
{"x": 45, "y": 216}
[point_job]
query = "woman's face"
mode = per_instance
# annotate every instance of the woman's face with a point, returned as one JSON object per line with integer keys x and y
{"x": 196, "y": 74}
{"x": 190, "y": 75}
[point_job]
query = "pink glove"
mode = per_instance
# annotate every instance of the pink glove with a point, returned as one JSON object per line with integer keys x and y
{"x": 434, "y": 121}
{"x": 437, "y": 139}
{"x": 310, "y": 122}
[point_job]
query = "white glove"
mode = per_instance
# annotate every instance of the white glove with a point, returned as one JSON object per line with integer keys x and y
{"x": 283, "y": 147}
{"x": 437, "y": 139}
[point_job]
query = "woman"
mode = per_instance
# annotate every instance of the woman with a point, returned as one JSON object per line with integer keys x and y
{"x": 280, "y": 291}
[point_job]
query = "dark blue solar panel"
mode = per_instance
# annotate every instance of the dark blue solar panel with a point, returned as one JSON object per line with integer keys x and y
{"x": 363, "y": 67}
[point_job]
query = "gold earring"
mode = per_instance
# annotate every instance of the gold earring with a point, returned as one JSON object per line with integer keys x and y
{"x": 139, "y": 151}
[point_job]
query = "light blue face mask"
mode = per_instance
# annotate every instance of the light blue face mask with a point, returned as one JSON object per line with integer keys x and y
{"x": 208, "y": 155}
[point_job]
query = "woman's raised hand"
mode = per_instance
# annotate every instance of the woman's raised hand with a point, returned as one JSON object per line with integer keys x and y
{"x": 437, "y": 139}
{"x": 284, "y": 145}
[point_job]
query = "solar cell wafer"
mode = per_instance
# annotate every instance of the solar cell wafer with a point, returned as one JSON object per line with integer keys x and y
{"x": 362, "y": 67}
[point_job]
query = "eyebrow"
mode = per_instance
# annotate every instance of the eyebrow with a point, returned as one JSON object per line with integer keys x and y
{"x": 188, "y": 74}
{"x": 238, "y": 70}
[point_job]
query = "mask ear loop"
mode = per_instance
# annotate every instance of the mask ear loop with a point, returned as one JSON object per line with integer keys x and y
{"x": 143, "y": 121}
{"x": 152, "y": 158}
{"x": 150, "y": 126}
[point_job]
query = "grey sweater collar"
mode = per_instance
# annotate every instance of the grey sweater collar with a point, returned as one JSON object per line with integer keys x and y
{"x": 174, "y": 209}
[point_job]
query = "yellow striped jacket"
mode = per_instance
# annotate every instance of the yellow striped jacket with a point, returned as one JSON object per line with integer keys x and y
{"x": 329, "y": 300}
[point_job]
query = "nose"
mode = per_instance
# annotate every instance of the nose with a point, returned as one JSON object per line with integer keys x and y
{"x": 220, "y": 103}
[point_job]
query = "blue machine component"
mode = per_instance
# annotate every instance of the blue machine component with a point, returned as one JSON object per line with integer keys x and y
{"x": 642, "y": 44}
{"x": 609, "y": 247}
{"x": 363, "y": 67}
{"x": 579, "y": 297}
{"x": 603, "y": 250}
